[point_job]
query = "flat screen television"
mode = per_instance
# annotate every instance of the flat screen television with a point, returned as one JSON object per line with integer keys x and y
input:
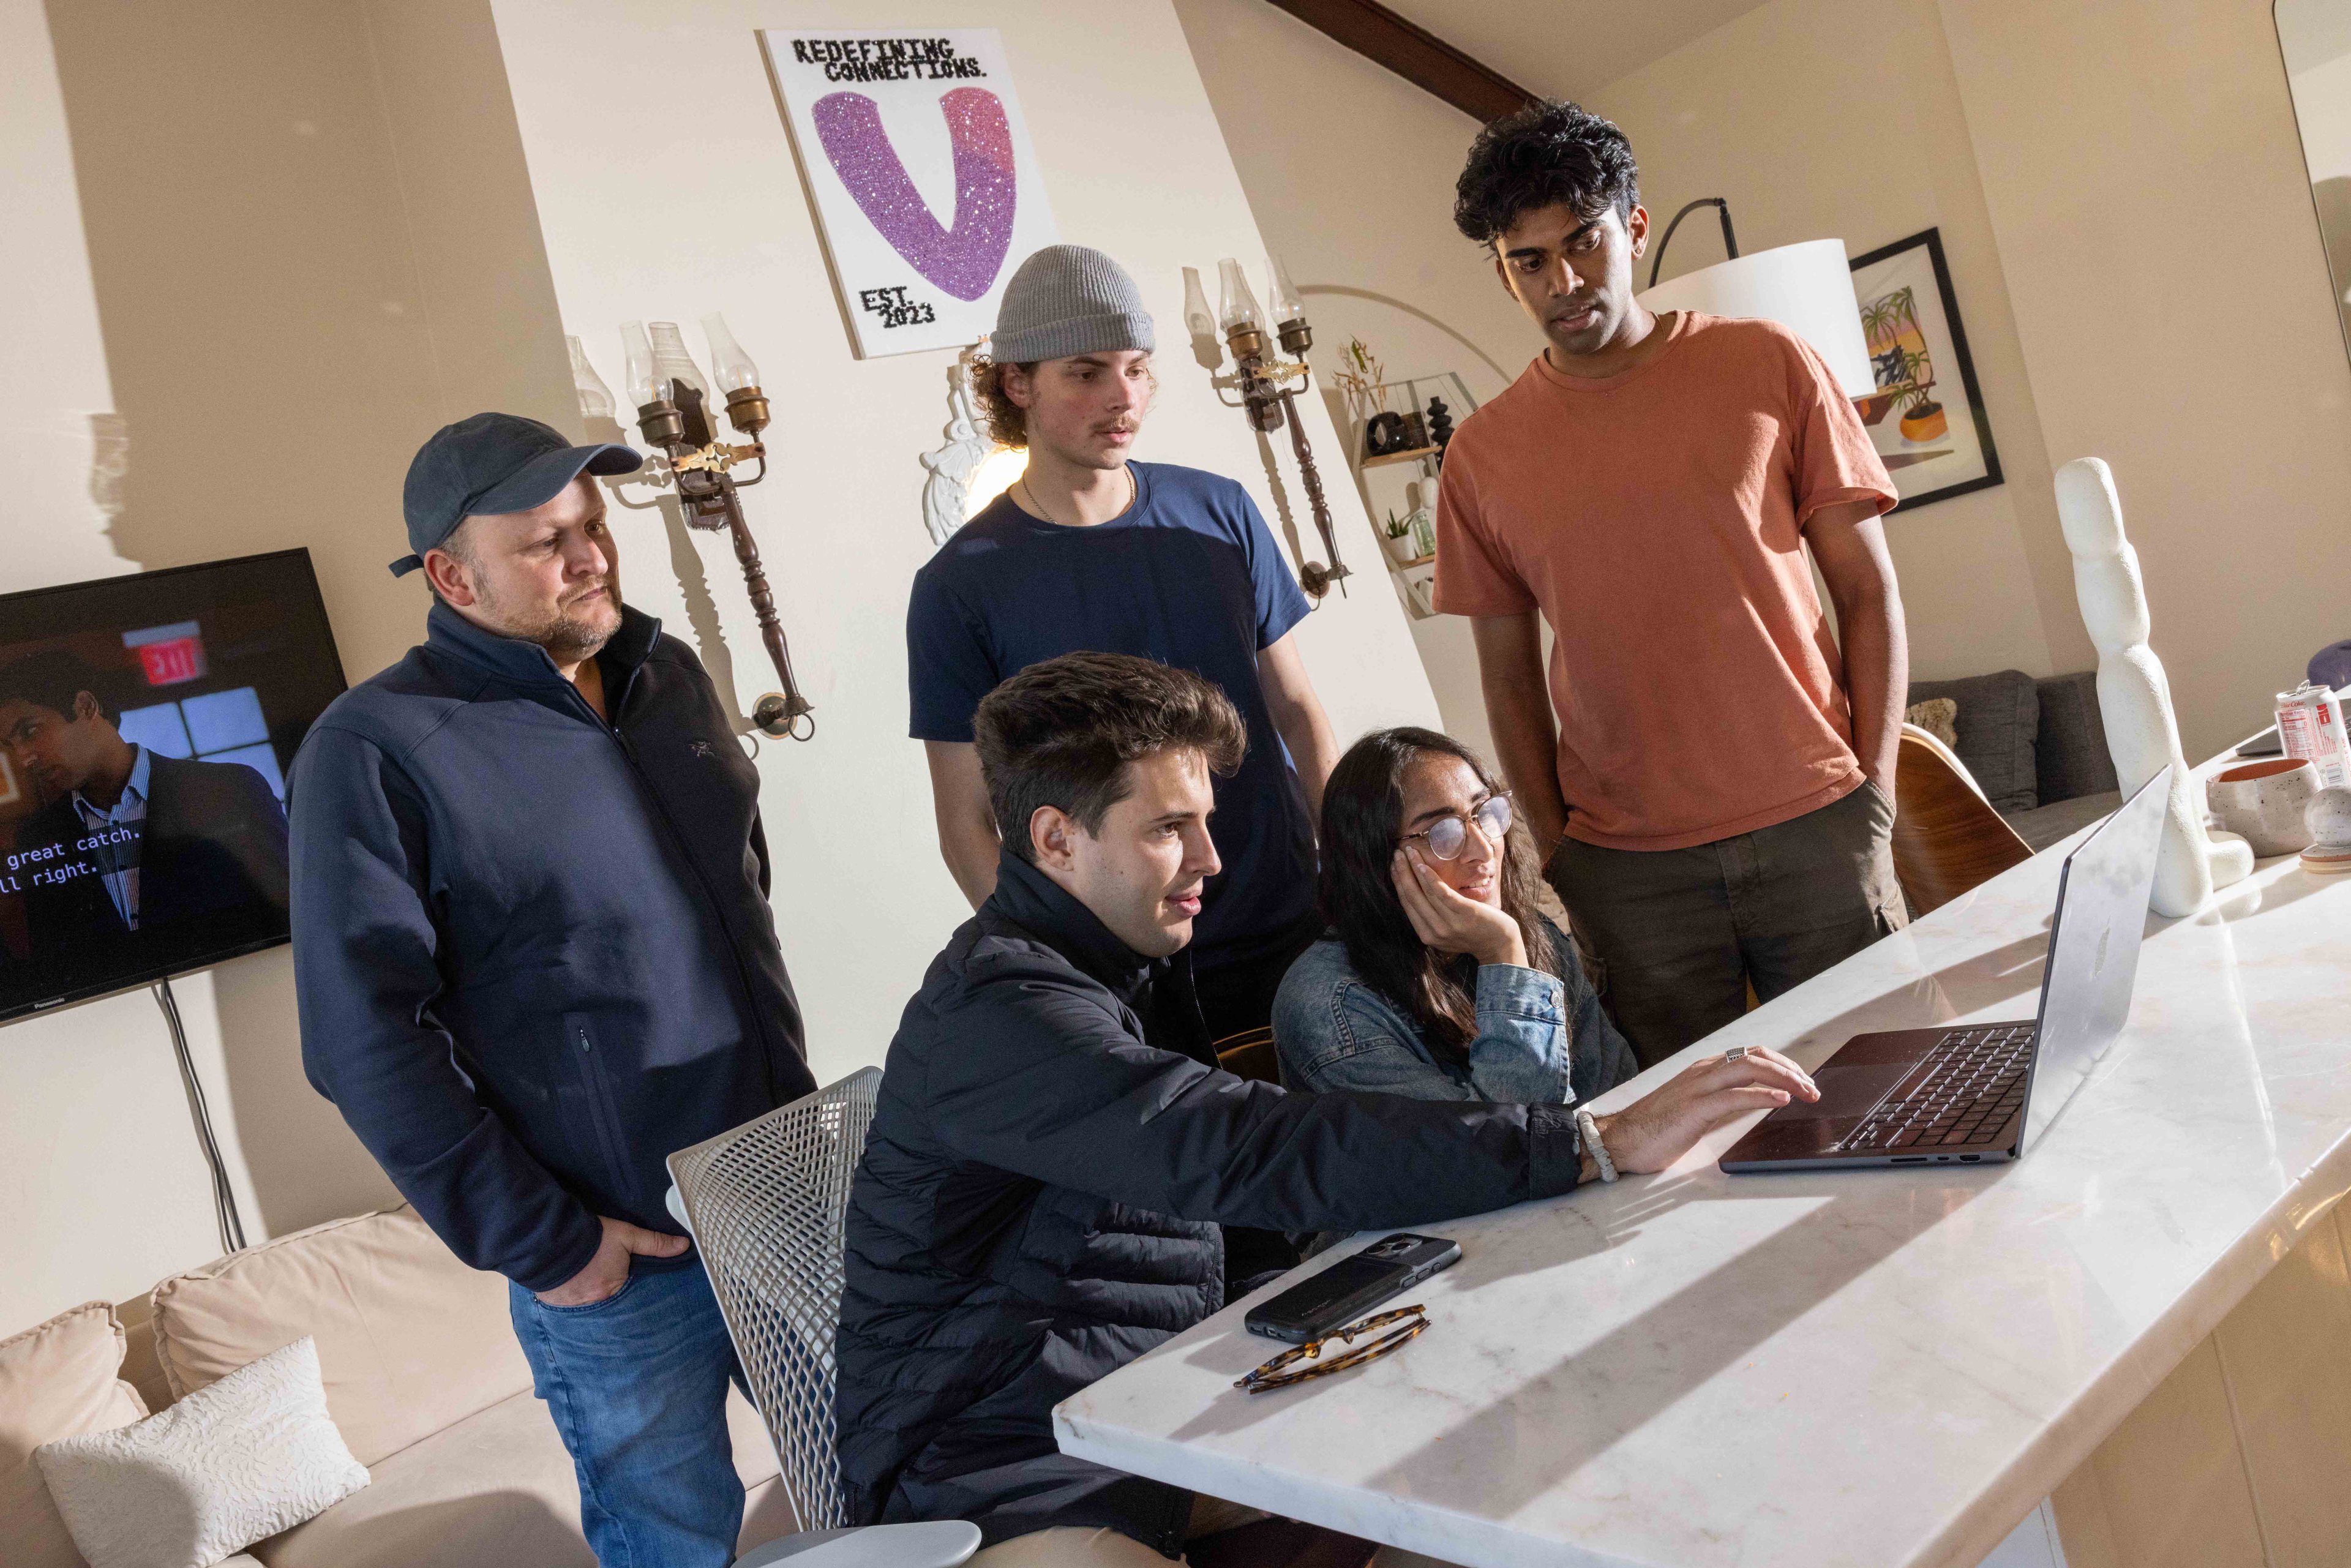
{"x": 146, "y": 725}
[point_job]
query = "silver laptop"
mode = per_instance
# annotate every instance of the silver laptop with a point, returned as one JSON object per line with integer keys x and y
{"x": 1985, "y": 1092}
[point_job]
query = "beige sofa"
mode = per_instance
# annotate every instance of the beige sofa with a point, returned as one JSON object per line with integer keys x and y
{"x": 423, "y": 1378}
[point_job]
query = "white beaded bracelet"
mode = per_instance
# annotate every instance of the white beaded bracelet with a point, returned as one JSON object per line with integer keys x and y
{"x": 1589, "y": 1127}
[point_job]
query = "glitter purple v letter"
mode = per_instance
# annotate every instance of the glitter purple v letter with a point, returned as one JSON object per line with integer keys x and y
{"x": 964, "y": 260}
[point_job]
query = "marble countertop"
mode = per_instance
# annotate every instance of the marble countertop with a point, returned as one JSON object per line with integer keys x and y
{"x": 1879, "y": 1368}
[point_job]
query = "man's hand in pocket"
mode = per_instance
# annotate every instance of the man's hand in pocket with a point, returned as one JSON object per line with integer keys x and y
{"x": 609, "y": 1270}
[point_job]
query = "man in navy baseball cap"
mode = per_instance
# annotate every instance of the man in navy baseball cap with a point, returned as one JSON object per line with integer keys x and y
{"x": 493, "y": 463}
{"x": 534, "y": 954}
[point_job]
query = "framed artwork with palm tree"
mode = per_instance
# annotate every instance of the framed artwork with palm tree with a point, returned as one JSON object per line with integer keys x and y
{"x": 1927, "y": 418}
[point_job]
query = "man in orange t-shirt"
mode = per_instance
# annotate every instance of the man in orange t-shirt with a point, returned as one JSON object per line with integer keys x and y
{"x": 1713, "y": 774}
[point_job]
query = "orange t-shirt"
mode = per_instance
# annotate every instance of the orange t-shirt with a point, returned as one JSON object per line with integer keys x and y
{"x": 1656, "y": 518}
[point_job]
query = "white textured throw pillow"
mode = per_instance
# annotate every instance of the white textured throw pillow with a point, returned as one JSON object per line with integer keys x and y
{"x": 237, "y": 1460}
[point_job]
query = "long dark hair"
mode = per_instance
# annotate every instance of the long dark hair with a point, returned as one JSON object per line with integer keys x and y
{"x": 1363, "y": 822}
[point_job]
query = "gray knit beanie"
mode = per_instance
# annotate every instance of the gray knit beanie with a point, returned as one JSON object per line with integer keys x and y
{"x": 1068, "y": 299}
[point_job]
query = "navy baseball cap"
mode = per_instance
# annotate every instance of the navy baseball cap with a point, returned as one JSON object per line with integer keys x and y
{"x": 493, "y": 463}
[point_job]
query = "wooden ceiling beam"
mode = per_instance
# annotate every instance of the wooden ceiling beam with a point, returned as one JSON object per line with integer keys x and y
{"x": 1413, "y": 53}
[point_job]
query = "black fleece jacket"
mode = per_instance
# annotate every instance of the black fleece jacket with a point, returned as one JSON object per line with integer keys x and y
{"x": 1040, "y": 1199}
{"x": 532, "y": 949}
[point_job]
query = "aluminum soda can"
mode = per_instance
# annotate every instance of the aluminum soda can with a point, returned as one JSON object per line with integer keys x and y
{"x": 2310, "y": 726}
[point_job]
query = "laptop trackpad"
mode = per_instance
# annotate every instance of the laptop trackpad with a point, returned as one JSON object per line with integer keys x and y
{"x": 1847, "y": 1090}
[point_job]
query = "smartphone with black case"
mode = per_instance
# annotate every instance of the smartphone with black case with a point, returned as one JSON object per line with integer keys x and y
{"x": 1347, "y": 1289}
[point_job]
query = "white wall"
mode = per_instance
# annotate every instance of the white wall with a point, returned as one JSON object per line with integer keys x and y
{"x": 2316, "y": 34}
{"x": 1820, "y": 118}
{"x": 285, "y": 240}
{"x": 51, "y": 324}
{"x": 2108, "y": 134}
{"x": 91, "y": 1118}
{"x": 289, "y": 240}
{"x": 1813, "y": 117}
{"x": 646, "y": 215}
{"x": 2322, "y": 107}
{"x": 2064, "y": 150}
{"x": 1350, "y": 171}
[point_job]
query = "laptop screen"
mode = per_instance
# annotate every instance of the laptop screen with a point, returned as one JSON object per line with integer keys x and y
{"x": 2085, "y": 992}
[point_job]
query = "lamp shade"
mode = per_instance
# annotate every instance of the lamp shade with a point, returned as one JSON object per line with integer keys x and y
{"x": 644, "y": 387}
{"x": 672, "y": 363}
{"x": 728, "y": 362}
{"x": 1806, "y": 287}
{"x": 1239, "y": 307}
{"x": 1282, "y": 301}
{"x": 1198, "y": 319}
{"x": 595, "y": 397}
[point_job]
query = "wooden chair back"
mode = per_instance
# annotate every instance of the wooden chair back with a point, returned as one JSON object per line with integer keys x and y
{"x": 1249, "y": 1054}
{"x": 1947, "y": 837}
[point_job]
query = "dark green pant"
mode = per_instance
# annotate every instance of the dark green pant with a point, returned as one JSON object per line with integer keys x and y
{"x": 1681, "y": 934}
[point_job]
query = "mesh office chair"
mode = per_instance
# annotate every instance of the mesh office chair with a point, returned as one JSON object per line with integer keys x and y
{"x": 764, "y": 1204}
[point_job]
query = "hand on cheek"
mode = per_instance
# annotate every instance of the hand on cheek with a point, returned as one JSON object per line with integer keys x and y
{"x": 1446, "y": 921}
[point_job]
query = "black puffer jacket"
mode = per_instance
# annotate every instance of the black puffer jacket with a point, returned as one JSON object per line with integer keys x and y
{"x": 1040, "y": 1204}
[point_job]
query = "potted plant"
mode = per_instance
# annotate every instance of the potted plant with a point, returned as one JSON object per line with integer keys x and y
{"x": 1395, "y": 536}
{"x": 1423, "y": 523}
{"x": 1884, "y": 320}
{"x": 1922, "y": 417}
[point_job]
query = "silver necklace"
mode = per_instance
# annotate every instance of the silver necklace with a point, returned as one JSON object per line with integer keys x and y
{"x": 1038, "y": 507}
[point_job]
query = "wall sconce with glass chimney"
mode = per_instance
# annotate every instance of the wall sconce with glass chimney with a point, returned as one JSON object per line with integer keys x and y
{"x": 1263, "y": 379}
{"x": 671, "y": 399}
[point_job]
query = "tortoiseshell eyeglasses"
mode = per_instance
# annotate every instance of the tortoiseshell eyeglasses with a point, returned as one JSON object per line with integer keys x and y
{"x": 1271, "y": 1375}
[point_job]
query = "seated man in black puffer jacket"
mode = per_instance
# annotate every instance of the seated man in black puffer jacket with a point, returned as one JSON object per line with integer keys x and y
{"x": 1055, "y": 1151}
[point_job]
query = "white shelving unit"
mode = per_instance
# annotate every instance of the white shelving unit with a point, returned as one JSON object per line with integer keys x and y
{"x": 1388, "y": 481}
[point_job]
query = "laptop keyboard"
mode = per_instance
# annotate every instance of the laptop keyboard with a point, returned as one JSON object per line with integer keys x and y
{"x": 1974, "y": 1082}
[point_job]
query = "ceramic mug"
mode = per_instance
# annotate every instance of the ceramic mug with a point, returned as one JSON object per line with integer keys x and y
{"x": 2329, "y": 821}
{"x": 2265, "y": 802}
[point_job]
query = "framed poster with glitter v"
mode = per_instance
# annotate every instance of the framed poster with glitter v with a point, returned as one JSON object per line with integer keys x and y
{"x": 893, "y": 129}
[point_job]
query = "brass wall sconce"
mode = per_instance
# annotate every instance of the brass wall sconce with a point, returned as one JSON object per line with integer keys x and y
{"x": 671, "y": 414}
{"x": 1263, "y": 381}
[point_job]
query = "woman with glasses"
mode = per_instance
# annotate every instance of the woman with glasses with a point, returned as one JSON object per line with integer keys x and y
{"x": 1438, "y": 976}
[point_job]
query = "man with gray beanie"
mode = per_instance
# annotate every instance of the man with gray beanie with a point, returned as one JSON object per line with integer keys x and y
{"x": 1092, "y": 551}
{"x": 533, "y": 956}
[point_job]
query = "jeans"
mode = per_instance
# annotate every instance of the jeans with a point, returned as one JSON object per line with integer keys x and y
{"x": 637, "y": 1385}
{"x": 1683, "y": 933}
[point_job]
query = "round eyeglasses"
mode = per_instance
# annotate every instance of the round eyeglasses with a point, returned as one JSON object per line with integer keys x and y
{"x": 1448, "y": 836}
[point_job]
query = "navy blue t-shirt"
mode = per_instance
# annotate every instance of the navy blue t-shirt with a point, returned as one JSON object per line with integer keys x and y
{"x": 1188, "y": 575}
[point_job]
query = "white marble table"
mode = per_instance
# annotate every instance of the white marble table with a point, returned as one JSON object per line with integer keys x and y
{"x": 1875, "y": 1368}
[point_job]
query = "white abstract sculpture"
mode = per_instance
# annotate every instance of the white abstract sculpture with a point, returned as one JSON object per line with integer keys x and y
{"x": 952, "y": 465}
{"x": 2133, "y": 698}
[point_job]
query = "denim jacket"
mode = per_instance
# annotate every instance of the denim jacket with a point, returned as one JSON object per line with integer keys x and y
{"x": 1542, "y": 1037}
